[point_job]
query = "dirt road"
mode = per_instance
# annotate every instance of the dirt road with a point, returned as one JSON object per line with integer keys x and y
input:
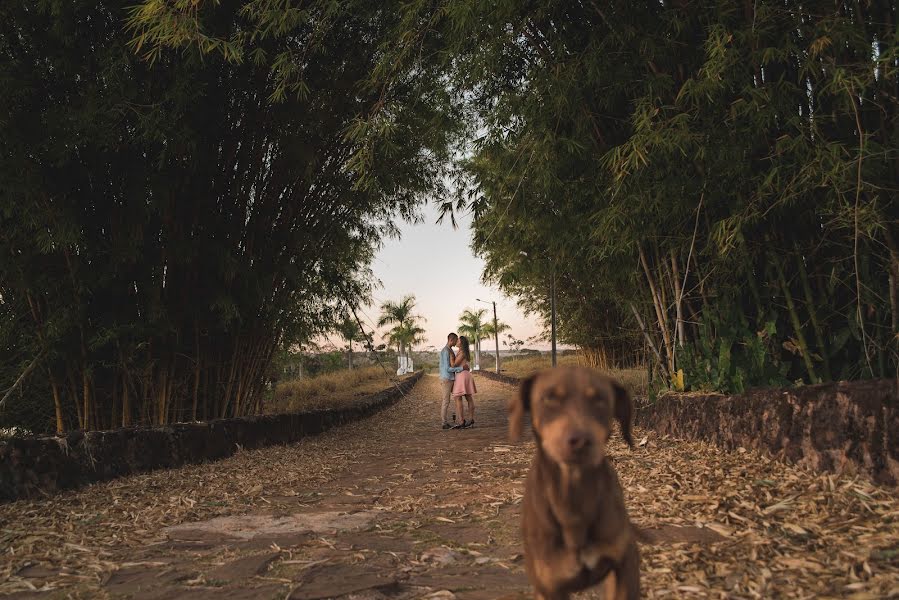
{"x": 393, "y": 507}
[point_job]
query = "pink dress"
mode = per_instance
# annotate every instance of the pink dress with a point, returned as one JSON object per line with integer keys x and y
{"x": 464, "y": 385}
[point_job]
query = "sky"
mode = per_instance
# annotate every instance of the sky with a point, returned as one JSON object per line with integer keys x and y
{"x": 435, "y": 263}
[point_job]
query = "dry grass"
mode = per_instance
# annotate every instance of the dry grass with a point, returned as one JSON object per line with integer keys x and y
{"x": 635, "y": 379}
{"x": 328, "y": 390}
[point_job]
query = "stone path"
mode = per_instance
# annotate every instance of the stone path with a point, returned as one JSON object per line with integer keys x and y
{"x": 393, "y": 507}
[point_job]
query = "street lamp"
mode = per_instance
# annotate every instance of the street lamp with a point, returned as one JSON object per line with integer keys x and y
{"x": 495, "y": 329}
{"x": 552, "y": 308}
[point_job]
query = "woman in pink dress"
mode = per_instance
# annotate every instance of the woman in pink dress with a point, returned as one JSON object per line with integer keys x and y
{"x": 464, "y": 386}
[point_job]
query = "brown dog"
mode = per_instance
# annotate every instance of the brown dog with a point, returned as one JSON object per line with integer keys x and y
{"x": 576, "y": 529}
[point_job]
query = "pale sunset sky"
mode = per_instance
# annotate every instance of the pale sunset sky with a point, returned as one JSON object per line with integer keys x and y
{"x": 435, "y": 262}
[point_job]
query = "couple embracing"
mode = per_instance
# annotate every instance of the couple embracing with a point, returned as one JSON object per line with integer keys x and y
{"x": 456, "y": 381}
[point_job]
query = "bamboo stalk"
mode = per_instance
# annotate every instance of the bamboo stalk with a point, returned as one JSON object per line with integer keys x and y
{"x": 126, "y": 399}
{"x": 196, "y": 393}
{"x": 57, "y": 402}
{"x": 647, "y": 337}
{"x": 87, "y": 399}
{"x": 813, "y": 315}
{"x": 858, "y": 194}
{"x": 893, "y": 282}
{"x": 76, "y": 400}
{"x": 659, "y": 309}
{"x": 171, "y": 413}
{"x": 752, "y": 280}
{"x": 678, "y": 302}
{"x": 85, "y": 382}
{"x": 31, "y": 366}
{"x": 233, "y": 372}
{"x": 797, "y": 325}
{"x": 114, "y": 418}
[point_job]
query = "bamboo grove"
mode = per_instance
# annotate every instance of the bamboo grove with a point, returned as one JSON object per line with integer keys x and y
{"x": 711, "y": 185}
{"x": 171, "y": 217}
{"x": 187, "y": 186}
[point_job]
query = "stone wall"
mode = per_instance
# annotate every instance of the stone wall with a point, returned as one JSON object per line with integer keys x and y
{"x": 850, "y": 427}
{"x": 32, "y": 467}
{"x": 846, "y": 427}
{"x": 500, "y": 377}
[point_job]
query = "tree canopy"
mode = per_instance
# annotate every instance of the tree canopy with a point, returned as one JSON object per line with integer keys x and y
{"x": 172, "y": 214}
{"x": 406, "y": 330}
{"x": 187, "y": 186}
{"x": 711, "y": 185}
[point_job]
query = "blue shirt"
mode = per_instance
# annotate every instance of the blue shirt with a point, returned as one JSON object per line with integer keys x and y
{"x": 447, "y": 372}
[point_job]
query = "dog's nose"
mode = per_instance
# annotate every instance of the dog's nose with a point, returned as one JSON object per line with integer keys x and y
{"x": 578, "y": 441}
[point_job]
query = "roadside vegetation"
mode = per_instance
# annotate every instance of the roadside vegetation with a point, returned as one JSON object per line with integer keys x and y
{"x": 636, "y": 379}
{"x": 189, "y": 188}
{"x": 328, "y": 390}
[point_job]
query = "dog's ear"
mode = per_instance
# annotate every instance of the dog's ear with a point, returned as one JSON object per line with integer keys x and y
{"x": 624, "y": 411}
{"x": 518, "y": 405}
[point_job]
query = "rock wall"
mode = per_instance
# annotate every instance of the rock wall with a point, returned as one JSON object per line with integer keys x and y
{"x": 845, "y": 427}
{"x": 500, "y": 377}
{"x": 33, "y": 467}
{"x": 850, "y": 427}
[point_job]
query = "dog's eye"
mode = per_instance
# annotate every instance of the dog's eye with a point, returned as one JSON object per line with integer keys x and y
{"x": 551, "y": 400}
{"x": 600, "y": 400}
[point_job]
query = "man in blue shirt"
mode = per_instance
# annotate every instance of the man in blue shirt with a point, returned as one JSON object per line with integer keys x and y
{"x": 447, "y": 376}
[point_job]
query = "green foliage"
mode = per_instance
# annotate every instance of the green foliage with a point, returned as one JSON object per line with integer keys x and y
{"x": 472, "y": 325}
{"x": 168, "y": 224}
{"x": 728, "y": 354}
{"x": 406, "y": 331}
{"x": 705, "y": 169}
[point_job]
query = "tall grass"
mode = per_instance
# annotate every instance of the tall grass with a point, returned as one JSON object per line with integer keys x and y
{"x": 328, "y": 390}
{"x": 635, "y": 379}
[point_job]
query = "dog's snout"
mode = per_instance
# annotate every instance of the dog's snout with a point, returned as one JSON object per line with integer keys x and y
{"x": 578, "y": 440}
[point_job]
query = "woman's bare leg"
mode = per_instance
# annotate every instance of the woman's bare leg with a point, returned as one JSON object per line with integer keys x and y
{"x": 460, "y": 410}
{"x": 470, "y": 400}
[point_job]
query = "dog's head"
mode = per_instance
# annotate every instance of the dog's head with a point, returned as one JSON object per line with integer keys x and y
{"x": 571, "y": 412}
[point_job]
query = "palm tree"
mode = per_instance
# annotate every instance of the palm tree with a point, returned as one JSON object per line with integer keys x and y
{"x": 350, "y": 332}
{"x": 406, "y": 336}
{"x": 472, "y": 326}
{"x": 406, "y": 331}
{"x": 489, "y": 331}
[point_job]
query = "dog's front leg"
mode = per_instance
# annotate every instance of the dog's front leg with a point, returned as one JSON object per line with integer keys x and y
{"x": 574, "y": 538}
{"x": 623, "y": 582}
{"x": 555, "y": 571}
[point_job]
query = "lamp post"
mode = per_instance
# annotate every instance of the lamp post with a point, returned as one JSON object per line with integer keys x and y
{"x": 495, "y": 329}
{"x": 552, "y": 309}
{"x": 477, "y": 349}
